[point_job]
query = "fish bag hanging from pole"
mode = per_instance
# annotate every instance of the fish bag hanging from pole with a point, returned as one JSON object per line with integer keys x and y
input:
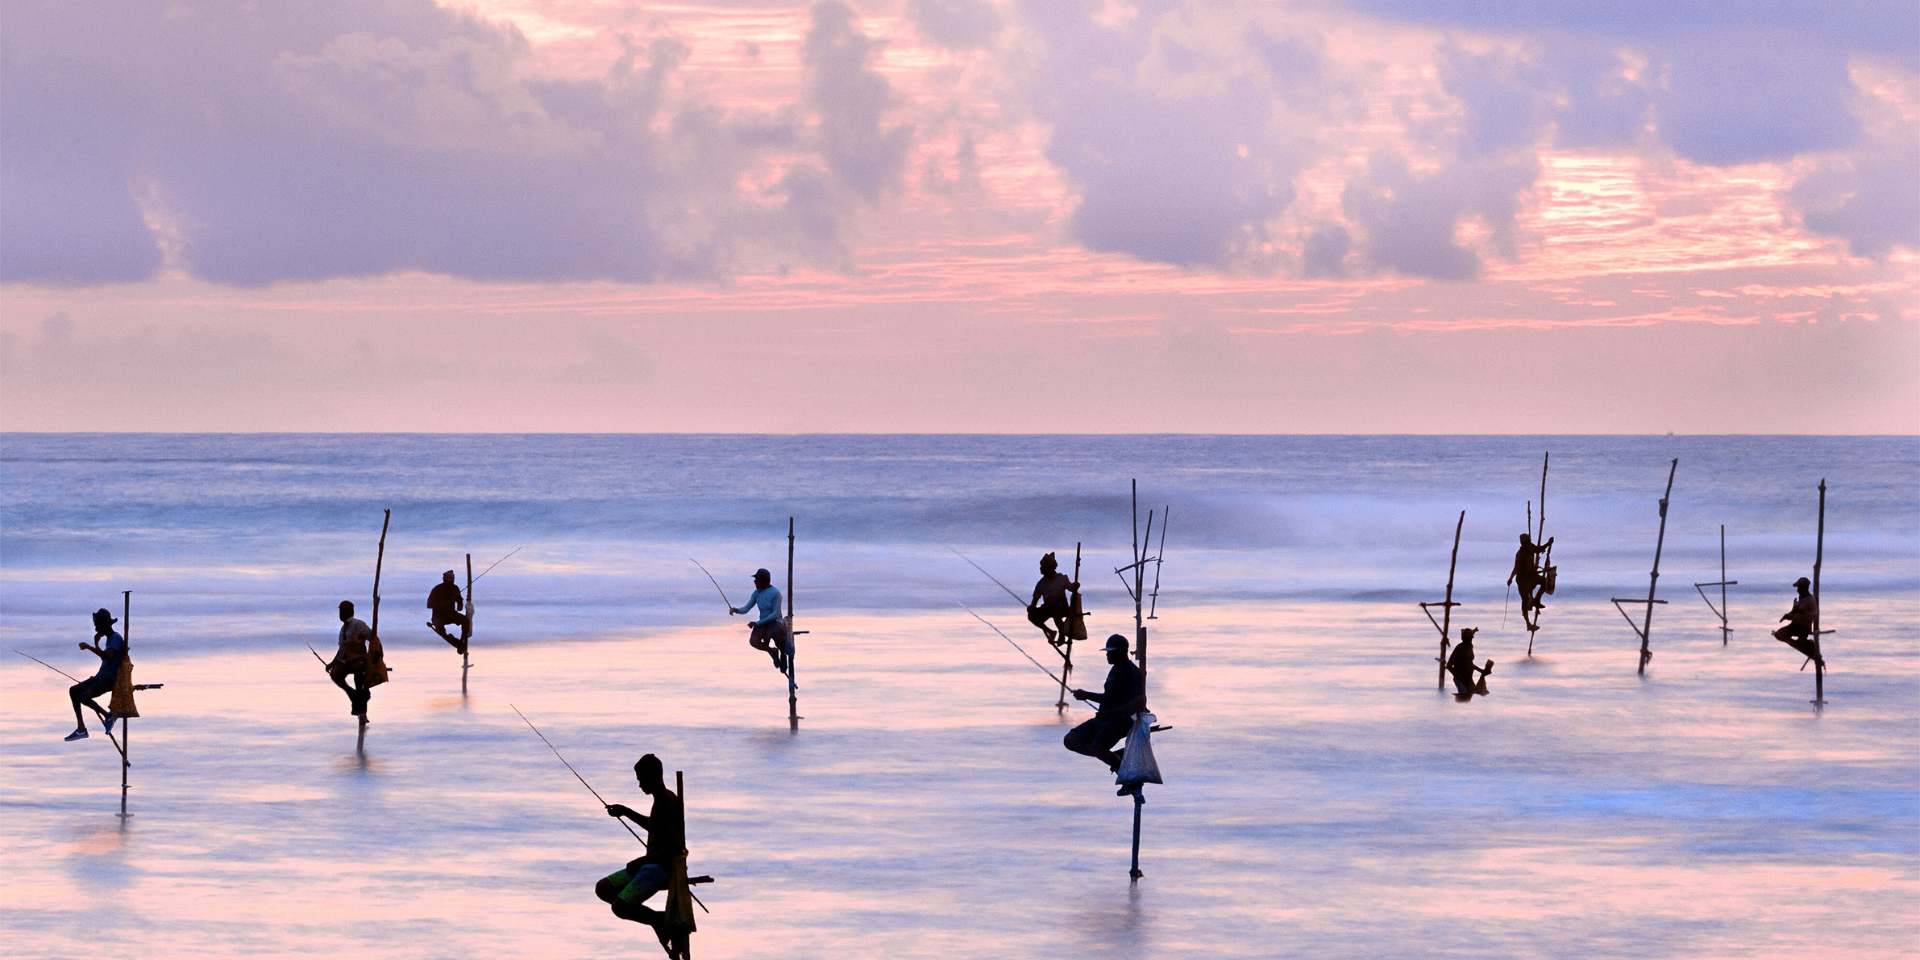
{"x": 121, "y": 704}
{"x": 1137, "y": 764}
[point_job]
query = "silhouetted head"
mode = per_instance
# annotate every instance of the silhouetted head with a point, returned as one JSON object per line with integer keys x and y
{"x": 103, "y": 620}
{"x": 761, "y": 578}
{"x": 1526, "y": 541}
{"x": 447, "y": 577}
{"x": 1116, "y": 648}
{"x": 346, "y": 610}
{"x": 1801, "y": 585}
{"x": 1467, "y": 634}
{"x": 648, "y": 771}
{"x": 1048, "y": 564}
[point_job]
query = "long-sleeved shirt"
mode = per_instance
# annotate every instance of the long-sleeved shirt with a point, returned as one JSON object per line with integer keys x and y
{"x": 444, "y": 598}
{"x": 1125, "y": 684}
{"x": 767, "y": 598}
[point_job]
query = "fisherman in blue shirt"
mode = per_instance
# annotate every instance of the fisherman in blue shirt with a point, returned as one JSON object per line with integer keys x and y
{"x": 769, "y": 634}
{"x": 112, "y": 651}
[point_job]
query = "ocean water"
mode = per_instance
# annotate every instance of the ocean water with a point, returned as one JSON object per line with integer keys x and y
{"x": 1322, "y": 798}
{"x": 251, "y": 539}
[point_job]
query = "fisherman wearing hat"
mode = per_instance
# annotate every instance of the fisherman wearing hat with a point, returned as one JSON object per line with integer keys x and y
{"x": 111, "y": 648}
{"x": 1124, "y": 695}
{"x": 1460, "y": 663}
{"x": 1050, "y": 603}
{"x": 769, "y": 632}
{"x": 446, "y": 603}
{"x": 351, "y": 660}
{"x": 1798, "y": 633}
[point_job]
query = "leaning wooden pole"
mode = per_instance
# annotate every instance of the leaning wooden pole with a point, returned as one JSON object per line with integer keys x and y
{"x": 376, "y": 653}
{"x": 1066, "y": 654}
{"x": 793, "y": 643}
{"x": 1819, "y": 554}
{"x": 126, "y": 723}
{"x": 1653, "y": 580}
{"x": 465, "y": 663}
{"x": 1446, "y": 606}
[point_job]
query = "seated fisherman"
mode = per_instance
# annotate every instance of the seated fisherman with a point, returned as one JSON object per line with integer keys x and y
{"x": 626, "y": 891}
{"x": 769, "y": 631}
{"x": 1050, "y": 603}
{"x": 111, "y": 648}
{"x": 446, "y": 603}
{"x": 1125, "y": 694}
{"x": 351, "y": 660}
{"x": 1798, "y": 633}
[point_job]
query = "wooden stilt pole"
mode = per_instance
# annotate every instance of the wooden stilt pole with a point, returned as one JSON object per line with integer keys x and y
{"x": 1445, "y": 623}
{"x": 465, "y": 663}
{"x": 376, "y": 654}
{"x": 793, "y": 643}
{"x": 1722, "y": 611}
{"x": 1066, "y": 653}
{"x": 126, "y": 723}
{"x": 1819, "y": 554}
{"x": 1540, "y": 537}
{"x": 1645, "y": 628}
{"x": 1139, "y": 800}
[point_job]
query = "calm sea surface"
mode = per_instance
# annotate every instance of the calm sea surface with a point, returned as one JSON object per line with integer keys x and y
{"x": 1321, "y": 799}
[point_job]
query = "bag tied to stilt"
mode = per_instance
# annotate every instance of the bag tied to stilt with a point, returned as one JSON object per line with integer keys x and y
{"x": 376, "y": 661}
{"x": 121, "y": 704}
{"x": 680, "y": 897}
{"x": 1137, "y": 764}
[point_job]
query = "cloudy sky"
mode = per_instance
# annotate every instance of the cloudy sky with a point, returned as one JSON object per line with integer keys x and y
{"x": 961, "y": 215}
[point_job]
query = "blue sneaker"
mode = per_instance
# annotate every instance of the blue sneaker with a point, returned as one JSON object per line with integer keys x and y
{"x": 79, "y": 733}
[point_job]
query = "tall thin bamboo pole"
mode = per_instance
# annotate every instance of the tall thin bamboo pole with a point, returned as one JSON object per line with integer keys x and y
{"x": 1653, "y": 580}
{"x": 1140, "y": 634}
{"x": 465, "y": 663}
{"x": 1066, "y": 655}
{"x": 793, "y": 642}
{"x": 1819, "y": 554}
{"x": 126, "y": 723}
{"x": 1446, "y": 609}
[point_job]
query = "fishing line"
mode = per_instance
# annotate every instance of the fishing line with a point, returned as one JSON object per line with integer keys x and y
{"x": 996, "y": 580}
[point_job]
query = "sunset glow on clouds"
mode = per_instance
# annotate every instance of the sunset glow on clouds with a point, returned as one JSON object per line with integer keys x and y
{"x": 961, "y": 215}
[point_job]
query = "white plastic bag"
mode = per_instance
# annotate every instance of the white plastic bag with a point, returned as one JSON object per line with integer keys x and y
{"x": 1137, "y": 764}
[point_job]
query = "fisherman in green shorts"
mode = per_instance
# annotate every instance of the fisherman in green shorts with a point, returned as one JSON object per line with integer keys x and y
{"x": 626, "y": 891}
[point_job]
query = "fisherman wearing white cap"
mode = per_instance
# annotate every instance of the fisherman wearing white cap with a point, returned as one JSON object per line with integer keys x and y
{"x": 769, "y": 631}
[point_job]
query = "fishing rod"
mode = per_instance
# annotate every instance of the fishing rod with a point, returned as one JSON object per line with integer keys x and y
{"x": 590, "y": 789}
{"x": 49, "y": 666}
{"x": 317, "y": 656}
{"x": 996, "y": 580}
{"x": 716, "y": 584}
{"x": 500, "y": 561}
{"x": 1023, "y": 652}
{"x": 576, "y": 773}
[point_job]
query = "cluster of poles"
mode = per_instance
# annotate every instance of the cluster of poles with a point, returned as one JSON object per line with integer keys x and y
{"x": 1643, "y": 607}
{"x": 1143, "y": 592}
